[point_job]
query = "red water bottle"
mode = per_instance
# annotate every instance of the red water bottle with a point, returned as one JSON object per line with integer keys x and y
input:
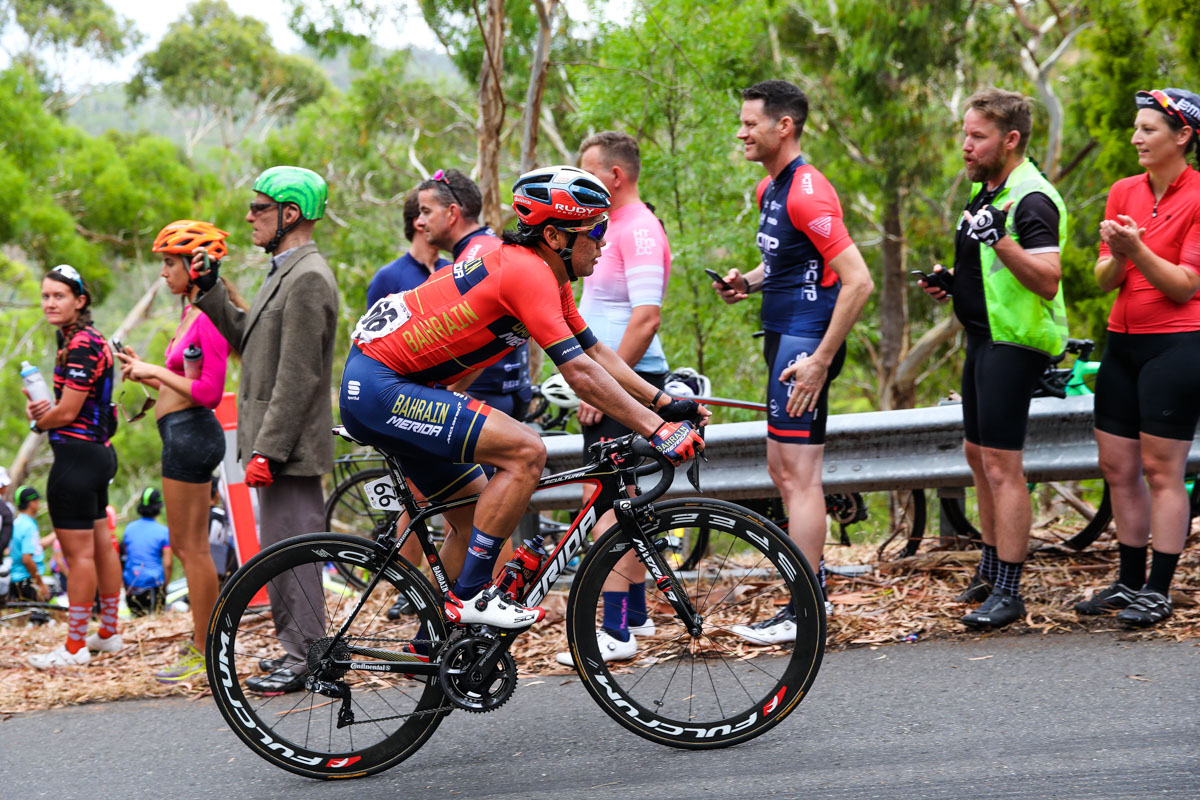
{"x": 530, "y": 555}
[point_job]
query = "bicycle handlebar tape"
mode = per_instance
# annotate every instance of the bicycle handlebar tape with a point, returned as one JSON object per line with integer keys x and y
{"x": 676, "y": 441}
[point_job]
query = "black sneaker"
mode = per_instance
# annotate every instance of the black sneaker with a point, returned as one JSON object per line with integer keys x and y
{"x": 1148, "y": 608}
{"x": 1110, "y": 598}
{"x": 977, "y": 590}
{"x": 402, "y": 607}
{"x": 999, "y": 609}
{"x": 281, "y": 681}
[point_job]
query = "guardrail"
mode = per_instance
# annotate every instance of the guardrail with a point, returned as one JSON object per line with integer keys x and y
{"x": 919, "y": 448}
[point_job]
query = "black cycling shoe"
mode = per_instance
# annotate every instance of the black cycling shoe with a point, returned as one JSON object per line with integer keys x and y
{"x": 976, "y": 592}
{"x": 999, "y": 609}
{"x": 1110, "y": 598}
{"x": 402, "y": 607}
{"x": 281, "y": 681}
{"x": 273, "y": 664}
{"x": 1148, "y": 608}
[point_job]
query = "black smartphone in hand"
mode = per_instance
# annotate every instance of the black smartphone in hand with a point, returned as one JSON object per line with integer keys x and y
{"x": 940, "y": 279}
{"x": 117, "y": 345}
{"x": 712, "y": 273}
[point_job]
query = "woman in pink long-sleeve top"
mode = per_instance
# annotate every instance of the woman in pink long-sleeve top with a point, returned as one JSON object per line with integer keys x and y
{"x": 190, "y": 386}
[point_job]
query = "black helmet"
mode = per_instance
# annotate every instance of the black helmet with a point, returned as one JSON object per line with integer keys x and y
{"x": 151, "y": 503}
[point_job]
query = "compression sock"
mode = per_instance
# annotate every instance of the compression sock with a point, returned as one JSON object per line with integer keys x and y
{"x": 1162, "y": 570}
{"x": 616, "y": 614}
{"x": 108, "y": 614}
{"x": 821, "y": 578}
{"x": 1008, "y": 576}
{"x": 637, "y": 603}
{"x": 78, "y": 617}
{"x": 1132, "y": 572}
{"x": 988, "y": 564}
{"x": 482, "y": 551}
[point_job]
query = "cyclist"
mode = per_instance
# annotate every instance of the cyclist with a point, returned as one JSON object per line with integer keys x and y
{"x": 814, "y": 284}
{"x": 286, "y": 343}
{"x": 193, "y": 441}
{"x": 1008, "y": 295}
{"x": 622, "y": 302}
{"x": 146, "y": 547}
{"x": 80, "y": 422}
{"x": 414, "y": 267}
{"x": 1148, "y": 386}
{"x": 410, "y": 346}
{"x": 450, "y": 205}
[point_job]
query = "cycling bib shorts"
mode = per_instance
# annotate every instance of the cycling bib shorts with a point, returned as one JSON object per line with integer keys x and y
{"x": 781, "y": 351}
{"x": 997, "y": 382}
{"x": 431, "y": 431}
{"x": 1149, "y": 383}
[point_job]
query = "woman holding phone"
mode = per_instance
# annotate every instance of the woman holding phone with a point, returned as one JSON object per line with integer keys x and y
{"x": 80, "y": 423}
{"x": 190, "y": 385}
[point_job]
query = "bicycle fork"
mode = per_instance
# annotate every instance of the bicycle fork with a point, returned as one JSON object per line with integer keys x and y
{"x": 649, "y": 554}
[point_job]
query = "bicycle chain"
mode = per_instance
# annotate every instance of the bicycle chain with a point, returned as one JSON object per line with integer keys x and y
{"x": 426, "y": 712}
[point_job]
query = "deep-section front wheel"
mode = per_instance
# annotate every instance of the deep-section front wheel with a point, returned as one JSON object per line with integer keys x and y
{"x": 714, "y": 689}
{"x": 393, "y": 714}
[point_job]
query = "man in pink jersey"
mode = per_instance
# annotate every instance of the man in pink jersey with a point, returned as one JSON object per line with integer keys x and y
{"x": 622, "y": 302}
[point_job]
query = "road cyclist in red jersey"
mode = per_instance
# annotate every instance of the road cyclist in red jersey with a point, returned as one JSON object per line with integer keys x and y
{"x": 409, "y": 347}
{"x": 1148, "y": 386}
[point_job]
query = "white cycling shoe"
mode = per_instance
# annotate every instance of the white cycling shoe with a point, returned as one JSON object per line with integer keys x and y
{"x": 611, "y": 648}
{"x": 60, "y": 657}
{"x": 490, "y": 607}
{"x": 112, "y": 644}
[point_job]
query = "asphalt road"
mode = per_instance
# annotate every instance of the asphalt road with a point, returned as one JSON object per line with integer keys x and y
{"x": 1081, "y": 716}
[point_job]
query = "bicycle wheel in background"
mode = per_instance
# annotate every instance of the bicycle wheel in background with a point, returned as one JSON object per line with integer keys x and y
{"x": 1062, "y": 504}
{"x": 896, "y": 519}
{"x": 299, "y": 732}
{"x": 713, "y": 690}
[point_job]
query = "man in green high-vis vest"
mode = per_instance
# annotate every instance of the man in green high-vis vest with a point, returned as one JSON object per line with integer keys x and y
{"x": 1007, "y": 294}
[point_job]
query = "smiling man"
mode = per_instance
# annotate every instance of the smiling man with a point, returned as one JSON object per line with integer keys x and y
{"x": 1008, "y": 295}
{"x": 814, "y": 284}
{"x": 410, "y": 346}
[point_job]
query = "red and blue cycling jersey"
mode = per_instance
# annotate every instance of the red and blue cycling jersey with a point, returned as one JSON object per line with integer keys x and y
{"x": 470, "y": 315}
{"x": 800, "y": 229}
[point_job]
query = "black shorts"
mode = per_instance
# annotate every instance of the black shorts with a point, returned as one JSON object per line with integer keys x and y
{"x": 193, "y": 444}
{"x": 781, "y": 350}
{"x": 608, "y": 428}
{"x": 997, "y": 382}
{"x": 1149, "y": 383}
{"x": 77, "y": 489}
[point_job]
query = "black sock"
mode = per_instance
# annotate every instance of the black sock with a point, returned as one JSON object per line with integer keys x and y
{"x": 1162, "y": 570}
{"x": 1008, "y": 576}
{"x": 987, "y": 564}
{"x": 1132, "y": 572}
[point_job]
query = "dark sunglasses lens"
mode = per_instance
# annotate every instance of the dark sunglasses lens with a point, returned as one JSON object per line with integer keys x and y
{"x": 597, "y": 233}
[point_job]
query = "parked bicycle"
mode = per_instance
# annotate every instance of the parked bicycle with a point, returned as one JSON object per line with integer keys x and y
{"x": 371, "y": 700}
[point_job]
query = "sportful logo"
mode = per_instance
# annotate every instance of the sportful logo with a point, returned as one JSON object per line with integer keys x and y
{"x": 352, "y": 389}
{"x": 822, "y": 226}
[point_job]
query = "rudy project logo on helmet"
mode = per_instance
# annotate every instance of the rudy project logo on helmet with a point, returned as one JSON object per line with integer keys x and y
{"x": 303, "y": 187}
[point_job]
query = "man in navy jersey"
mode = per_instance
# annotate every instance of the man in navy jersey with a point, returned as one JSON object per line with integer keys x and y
{"x": 414, "y": 267}
{"x": 814, "y": 284}
{"x": 450, "y": 205}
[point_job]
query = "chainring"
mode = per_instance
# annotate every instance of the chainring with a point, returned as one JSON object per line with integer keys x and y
{"x": 472, "y": 692}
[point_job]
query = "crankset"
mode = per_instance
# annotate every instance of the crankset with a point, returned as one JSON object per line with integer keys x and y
{"x": 478, "y": 673}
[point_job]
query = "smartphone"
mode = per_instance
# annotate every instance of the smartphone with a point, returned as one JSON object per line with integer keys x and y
{"x": 192, "y": 271}
{"x": 939, "y": 279}
{"x": 712, "y": 273}
{"x": 117, "y": 345}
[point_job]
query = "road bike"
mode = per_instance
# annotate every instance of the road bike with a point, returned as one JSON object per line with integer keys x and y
{"x": 377, "y": 689}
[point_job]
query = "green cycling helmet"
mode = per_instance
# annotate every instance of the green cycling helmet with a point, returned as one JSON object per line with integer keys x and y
{"x": 296, "y": 185}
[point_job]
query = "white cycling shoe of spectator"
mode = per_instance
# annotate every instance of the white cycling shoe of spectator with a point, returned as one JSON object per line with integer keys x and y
{"x": 776, "y": 630}
{"x": 112, "y": 644}
{"x": 491, "y": 607}
{"x": 611, "y": 648}
{"x": 59, "y": 657}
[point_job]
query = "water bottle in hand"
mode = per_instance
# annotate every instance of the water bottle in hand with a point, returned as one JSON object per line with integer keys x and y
{"x": 31, "y": 377}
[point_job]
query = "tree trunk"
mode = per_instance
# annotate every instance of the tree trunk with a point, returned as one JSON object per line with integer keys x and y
{"x": 893, "y": 306}
{"x": 491, "y": 111}
{"x": 546, "y": 11}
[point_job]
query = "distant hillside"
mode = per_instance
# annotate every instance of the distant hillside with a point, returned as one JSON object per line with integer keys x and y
{"x": 104, "y": 108}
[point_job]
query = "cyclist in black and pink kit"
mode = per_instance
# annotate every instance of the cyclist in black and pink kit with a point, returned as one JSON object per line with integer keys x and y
{"x": 410, "y": 347}
{"x": 814, "y": 284}
{"x": 80, "y": 423}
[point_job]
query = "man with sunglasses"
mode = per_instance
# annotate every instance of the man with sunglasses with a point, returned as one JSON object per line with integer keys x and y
{"x": 450, "y": 205}
{"x": 410, "y": 346}
{"x": 286, "y": 342}
{"x": 1008, "y": 295}
{"x": 814, "y": 284}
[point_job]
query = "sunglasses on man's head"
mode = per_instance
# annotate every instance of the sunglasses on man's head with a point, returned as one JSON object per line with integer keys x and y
{"x": 440, "y": 177}
{"x": 595, "y": 231}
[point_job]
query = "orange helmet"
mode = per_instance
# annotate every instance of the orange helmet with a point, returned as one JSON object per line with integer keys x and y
{"x": 185, "y": 235}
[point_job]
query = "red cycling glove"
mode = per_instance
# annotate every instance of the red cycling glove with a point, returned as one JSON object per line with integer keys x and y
{"x": 261, "y": 471}
{"x": 678, "y": 441}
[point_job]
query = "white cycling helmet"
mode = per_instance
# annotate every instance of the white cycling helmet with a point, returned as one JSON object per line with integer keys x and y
{"x": 559, "y": 392}
{"x": 686, "y": 382}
